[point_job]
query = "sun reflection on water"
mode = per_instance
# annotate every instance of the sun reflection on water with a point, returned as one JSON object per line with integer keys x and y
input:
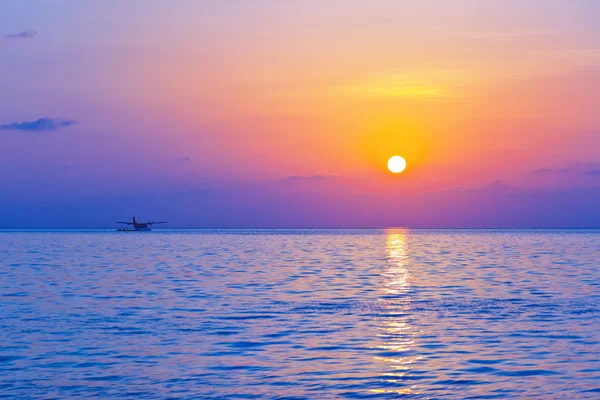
{"x": 396, "y": 333}
{"x": 396, "y": 273}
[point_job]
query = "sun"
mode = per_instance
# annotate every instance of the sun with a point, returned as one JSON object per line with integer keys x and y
{"x": 397, "y": 164}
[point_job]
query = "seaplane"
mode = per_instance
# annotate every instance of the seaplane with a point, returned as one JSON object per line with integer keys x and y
{"x": 138, "y": 226}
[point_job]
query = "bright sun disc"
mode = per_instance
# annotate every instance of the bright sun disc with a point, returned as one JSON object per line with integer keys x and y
{"x": 397, "y": 164}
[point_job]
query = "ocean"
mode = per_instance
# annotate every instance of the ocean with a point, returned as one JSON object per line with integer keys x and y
{"x": 300, "y": 314}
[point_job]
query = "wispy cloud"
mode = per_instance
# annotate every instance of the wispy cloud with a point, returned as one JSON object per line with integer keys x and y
{"x": 500, "y": 35}
{"x": 577, "y": 169}
{"x": 311, "y": 178}
{"x": 418, "y": 84}
{"x": 401, "y": 90}
{"x": 40, "y": 125}
{"x": 547, "y": 171}
{"x": 28, "y": 34}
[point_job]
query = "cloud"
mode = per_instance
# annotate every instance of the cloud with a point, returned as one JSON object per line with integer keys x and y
{"x": 498, "y": 205}
{"x": 40, "y": 125}
{"x": 549, "y": 171}
{"x": 264, "y": 205}
{"x": 312, "y": 178}
{"x": 495, "y": 205}
{"x": 28, "y": 34}
{"x": 594, "y": 172}
{"x": 186, "y": 158}
{"x": 586, "y": 169}
{"x": 429, "y": 83}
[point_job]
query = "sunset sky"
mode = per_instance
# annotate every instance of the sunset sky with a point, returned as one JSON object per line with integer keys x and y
{"x": 270, "y": 113}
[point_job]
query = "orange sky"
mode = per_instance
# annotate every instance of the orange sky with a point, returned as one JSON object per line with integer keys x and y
{"x": 469, "y": 92}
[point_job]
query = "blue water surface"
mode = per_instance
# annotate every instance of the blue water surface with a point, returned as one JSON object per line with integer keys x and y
{"x": 278, "y": 314}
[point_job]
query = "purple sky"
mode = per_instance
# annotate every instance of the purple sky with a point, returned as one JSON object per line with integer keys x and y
{"x": 266, "y": 113}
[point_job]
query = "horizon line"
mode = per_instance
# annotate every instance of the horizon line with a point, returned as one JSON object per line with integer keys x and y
{"x": 307, "y": 228}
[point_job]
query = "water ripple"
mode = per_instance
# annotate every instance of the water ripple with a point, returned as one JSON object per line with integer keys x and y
{"x": 300, "y": 314}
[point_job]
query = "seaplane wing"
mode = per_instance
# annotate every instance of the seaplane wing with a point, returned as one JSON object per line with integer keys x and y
{"x": 126, "y": 223}
{"x": 157, "y": 222}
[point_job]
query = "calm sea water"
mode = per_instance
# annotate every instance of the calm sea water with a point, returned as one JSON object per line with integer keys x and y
{"x": 300, "y": 314}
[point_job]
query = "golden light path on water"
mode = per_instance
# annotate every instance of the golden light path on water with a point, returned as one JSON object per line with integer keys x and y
{"x": 396, "y": 335}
